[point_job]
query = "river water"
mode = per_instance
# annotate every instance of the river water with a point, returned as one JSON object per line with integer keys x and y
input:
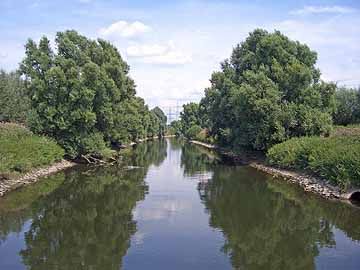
{"x": 172, "y": 206}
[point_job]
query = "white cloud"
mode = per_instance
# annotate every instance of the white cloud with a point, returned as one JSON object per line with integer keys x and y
{"x": 159, "y": 54}
{"x": 146, "y": 50}
{"x": 124, "y": 29}
{"x": 337, "y": 57}
{"x": 170, "y": 58}
{"x": 323, "y": 9}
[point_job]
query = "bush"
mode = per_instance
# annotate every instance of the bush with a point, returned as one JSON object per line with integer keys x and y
{"x": 193, "y": 131}
{"x": 336, "y": 159}
{"x": 22, "y": 151}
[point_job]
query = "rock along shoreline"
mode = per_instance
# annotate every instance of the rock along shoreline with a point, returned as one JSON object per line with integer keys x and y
{"x": 7, "y": 185}
{"x": 307, "y": 182}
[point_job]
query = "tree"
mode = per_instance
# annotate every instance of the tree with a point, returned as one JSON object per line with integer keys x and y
{"x": 190, "y": 116}
{"x": 175, "y": 127}
{"x": 162, "y": 120}
{"x": 268, "y": 91}
{"x": 14, "y": 102}
{"x": 347, "y": 106}
{"x": 82, "y": 95}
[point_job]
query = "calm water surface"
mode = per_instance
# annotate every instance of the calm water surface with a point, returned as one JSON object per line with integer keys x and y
{"x": 176, "y": 207}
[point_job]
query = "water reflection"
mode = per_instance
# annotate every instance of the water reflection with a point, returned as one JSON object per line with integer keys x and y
{"x": 270, "y": 224}
{"x": 197, "y": 159}
{"x": 84, "y": 221}
{"x": 92, "y": 218}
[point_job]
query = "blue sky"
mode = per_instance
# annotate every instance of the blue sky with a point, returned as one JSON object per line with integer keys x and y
{"x": 174, "y": 46}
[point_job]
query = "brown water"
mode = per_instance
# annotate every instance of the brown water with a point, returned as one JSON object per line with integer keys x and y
{"x": 178, "y": 208}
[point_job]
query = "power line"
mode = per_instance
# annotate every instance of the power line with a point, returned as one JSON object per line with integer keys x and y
{"x": 173, "y": 112}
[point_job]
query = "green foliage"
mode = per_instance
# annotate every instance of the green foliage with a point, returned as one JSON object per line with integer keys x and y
{"x": 336, "y": 159}
{"x": 193, "y": 132}
{"x": 82, "y": 95}
{"x": 22, "y": 151}
{"x": 268, "y": 91}
{"x": 190, "y": 116}
{"x": 162, "y": 120}
{"x": 14, "y": 103}
{"x": 347, "y": 106}
{"x": 175, "y": 128}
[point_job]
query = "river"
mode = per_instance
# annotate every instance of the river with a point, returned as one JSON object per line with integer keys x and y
{"x": 173, "y": 205}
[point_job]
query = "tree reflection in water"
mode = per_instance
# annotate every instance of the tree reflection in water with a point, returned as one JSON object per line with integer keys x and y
{"x": 197, "y": 159}
{"x": 82, "y": 218}
{"x": 271, "y": 224}
{"x": 87, "y": 222}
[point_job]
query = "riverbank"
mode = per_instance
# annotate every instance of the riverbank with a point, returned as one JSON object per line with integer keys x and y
{"x": 307, "y": 182}
{"x": 11, "y": 179}
{"x": 25, "y": 156}
{"x": 22, "y": 151}
{"x": 7, "y": 185}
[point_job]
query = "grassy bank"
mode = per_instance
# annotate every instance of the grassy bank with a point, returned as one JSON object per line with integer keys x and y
{"x": 336, "y": 159}
{"x": 21, "y": 151}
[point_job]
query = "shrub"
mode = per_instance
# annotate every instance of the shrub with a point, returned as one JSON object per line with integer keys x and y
{"x": 336, "y": 159}
{"x": 193, "y": 131}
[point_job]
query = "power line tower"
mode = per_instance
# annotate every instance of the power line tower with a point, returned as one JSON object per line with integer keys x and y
{"x": 173, "y": 111}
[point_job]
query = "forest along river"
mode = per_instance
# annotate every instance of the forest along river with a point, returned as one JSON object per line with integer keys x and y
{"x": 174, "y": 206}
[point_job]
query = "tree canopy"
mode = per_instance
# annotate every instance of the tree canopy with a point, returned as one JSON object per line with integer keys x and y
{"x": 82, "y": 94}
{"x": 267, "y": 91}
{"x": 162, "y": 120}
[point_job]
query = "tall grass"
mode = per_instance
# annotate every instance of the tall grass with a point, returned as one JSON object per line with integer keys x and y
{"x": 336, "y": 159}
{"x": 22, "y": 151}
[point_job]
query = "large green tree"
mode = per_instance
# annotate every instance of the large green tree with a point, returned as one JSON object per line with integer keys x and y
{"x": 14, "y": 102}
{"x": 268, "y": 91}
{"x": 82, "y": 95}
{"x": 190, "y": 117}
{"x": 162, "y": 120}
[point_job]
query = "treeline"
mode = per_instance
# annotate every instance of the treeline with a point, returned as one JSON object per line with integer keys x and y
{"x": 267, "y": 92}
{"x": 347, "y": 106}
{"x": 81, "y": 95}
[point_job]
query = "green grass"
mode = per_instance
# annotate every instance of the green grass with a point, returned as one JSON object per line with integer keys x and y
{"x": 21, "y": 151}
{"x": 336, "y": 159}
